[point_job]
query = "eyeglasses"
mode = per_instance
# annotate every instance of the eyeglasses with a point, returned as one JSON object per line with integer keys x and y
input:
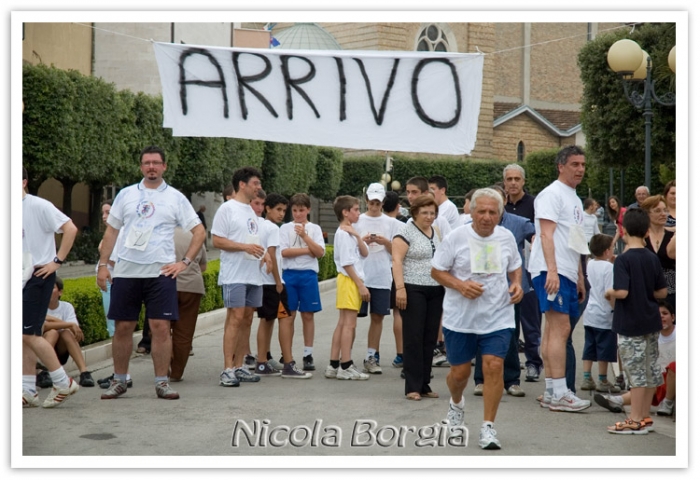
{"x": 660, "y": 210}
{"x": 427, "y": 214}
{"x": 152, "y": 164}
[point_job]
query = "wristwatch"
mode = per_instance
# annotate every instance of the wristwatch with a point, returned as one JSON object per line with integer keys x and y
{"x": 186, "y": 261}
{"x": 57, "y": 260}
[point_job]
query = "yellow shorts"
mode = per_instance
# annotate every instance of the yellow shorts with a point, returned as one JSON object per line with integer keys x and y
{"x": 347, "y": 294}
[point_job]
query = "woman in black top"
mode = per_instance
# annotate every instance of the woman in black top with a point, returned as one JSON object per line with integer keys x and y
{"x": 662, "y": 241}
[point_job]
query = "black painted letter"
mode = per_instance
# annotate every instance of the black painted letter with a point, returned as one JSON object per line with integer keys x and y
{"x": 243, "y": 82}
{"x": 414, "y": 94}
{"x": 221, "y": 83}
{"x": 343, "y": 86}
{"x": 378, "y": 117}
{"x": 294, "y": 83}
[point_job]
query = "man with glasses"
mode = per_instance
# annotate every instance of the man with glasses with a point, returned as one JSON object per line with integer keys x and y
{"x": 146, "y": 268}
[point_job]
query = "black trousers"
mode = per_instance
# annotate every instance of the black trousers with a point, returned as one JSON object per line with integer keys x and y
{"x": 421, "y": 321}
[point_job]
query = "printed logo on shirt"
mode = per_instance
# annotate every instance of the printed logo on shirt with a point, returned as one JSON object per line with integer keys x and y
{"x": 578, "y": 216}
{"x": 252, "y": 226}
{"x": 145, "y": 209}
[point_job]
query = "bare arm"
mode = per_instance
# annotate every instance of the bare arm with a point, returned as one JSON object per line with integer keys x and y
{"x": 399, "y": 249}
{"x": 612, "y": 294}
{"x": 223, "y": 243}
{"x": 515, "y": 289}
{"x": 671, "y": 247}
{"x": 661, "y": 293}
{"x": 108, "y": 241}
{"x": 315, "y": 250}
{"x": 547, "y": 228}
{"x": 198, "y": 236}
{"x": 272, "y": 251}
{"x": 69, "y": 233}
{"x": 467, "y": 288}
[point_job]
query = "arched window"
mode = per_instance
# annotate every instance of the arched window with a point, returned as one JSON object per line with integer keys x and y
{"x": 434, "y": 38}
{"x": 521, "y": 151}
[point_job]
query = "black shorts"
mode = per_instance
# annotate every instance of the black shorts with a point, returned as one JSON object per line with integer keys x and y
{"x": 36, "y": 296}
{"x": 158, "y": 293}
{"x": 271, "y": 302}
{"x": 379, "y": 302}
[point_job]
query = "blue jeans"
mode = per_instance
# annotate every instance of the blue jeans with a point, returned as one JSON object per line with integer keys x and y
{"x": 511, "y": 364}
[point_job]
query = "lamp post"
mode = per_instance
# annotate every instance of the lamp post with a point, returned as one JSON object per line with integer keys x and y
{"x": 633, "y": 65}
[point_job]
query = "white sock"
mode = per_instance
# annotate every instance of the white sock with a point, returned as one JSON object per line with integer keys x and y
{"x": 458, "y": 405}
{"x": 29, "y": 383}
{"x": 548, "y": 385}
{"x": 59, "y": 378}
{"x": 308, "y": 351}
{"x": 370, "y": 353}
{"x": 559, "y": 387}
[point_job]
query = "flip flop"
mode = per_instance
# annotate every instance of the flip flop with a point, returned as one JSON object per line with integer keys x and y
{"x": 430, "y": 395}
{"x": 415, "y": 396}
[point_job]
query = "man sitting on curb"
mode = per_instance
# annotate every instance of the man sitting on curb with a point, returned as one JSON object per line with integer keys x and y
{"x": 63, "y": 333}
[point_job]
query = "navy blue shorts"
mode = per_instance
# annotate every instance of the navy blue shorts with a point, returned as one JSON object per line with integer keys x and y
{"x": 379, "y": 302}
{"x": 158, "y": 293}
{"x": 461, "y": 347}
{"x": 566, "y": 300}
{"x": 302, "y": 290}
{"x": 600, "y": 345}
{"x": 36, "y": 296}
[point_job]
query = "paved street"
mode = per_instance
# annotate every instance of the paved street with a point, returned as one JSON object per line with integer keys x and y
{"x": 203, "y": 421}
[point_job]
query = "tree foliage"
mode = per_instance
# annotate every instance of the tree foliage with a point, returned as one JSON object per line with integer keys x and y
{"x": 614, "y": 128}
{"x": 329, "y": 173}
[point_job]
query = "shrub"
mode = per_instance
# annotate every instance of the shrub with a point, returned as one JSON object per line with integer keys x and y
{"x": 326, "y": 265}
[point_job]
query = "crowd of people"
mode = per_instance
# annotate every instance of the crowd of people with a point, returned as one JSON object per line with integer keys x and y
{"x": 462, "y": 288}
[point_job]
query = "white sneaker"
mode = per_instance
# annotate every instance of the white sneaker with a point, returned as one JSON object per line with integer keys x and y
{"x": 439, "y": 359}
{"x": 455, "y": 419}
{"x": 351, "y": 373}
{"x": 665, "y": 408}
{"x": 59, "y": 395}
{"x": 487, "y": 439}
{"x": 331, "y": 372}
{"x": 545, "y": 399}
{"x": 29, "y": 400}
{"x": 371, "y": 366}
{"x": 568, "y": 403}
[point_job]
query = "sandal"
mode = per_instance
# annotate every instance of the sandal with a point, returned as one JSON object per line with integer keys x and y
{"x": 415, "y": 396}
{"x": 430, "y": 395}
{"x": 629, "y": 427}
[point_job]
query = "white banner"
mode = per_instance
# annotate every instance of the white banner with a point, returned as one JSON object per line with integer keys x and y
{"x": 395, "y": 101}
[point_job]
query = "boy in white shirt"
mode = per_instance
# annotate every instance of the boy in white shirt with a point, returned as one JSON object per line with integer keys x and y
{"x": 377, "y": 231}
{"x": 447, "y": 209}
{"x": 590, "y": 221}
{"x": 301, "y": 245}
{"x": 348, "y": 252}
{"x": 600, "y": 341}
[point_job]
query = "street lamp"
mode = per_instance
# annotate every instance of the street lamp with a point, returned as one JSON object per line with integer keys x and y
{"x": 633, "y": 65}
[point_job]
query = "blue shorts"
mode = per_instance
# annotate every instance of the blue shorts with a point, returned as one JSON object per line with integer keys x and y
{"x": 461, "y": 347}
{"x": 566, "y": 300}
{"x": 379, "y": 302}
{"x": 239, "y": 295}
{"x": 158, "y": 293}
{"x": 302, "y": 290}
{"x": 600, "y": 345}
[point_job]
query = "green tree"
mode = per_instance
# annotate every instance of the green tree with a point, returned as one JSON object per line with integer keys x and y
{"x": 329, "y": 173}
{"x": 289, "y": 168}
{"x": 614, "y": 128}
{"x": 201, "y": 160}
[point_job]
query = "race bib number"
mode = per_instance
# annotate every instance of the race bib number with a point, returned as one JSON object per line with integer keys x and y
{"x": 138, "y": 238}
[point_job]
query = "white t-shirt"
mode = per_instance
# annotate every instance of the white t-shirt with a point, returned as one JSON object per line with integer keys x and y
{"x": 40, "y": 220}
{"x": 346, "y": 252}
{"x": 149, "y": 217}
{"x": 238, "y": 222}
{"x": 465, "y": 218}
{"x": 377, "y": 265}
{"x": 667, "y": 349}
{"x": 271, "y": 233}
{"x": 65, "y": 312}
{"x": 559, "y": 203}
{"x": 598, "y": 312}
{"x": 590, "y": 225}
{"x": 487, "y": 260}
{"x": 289, "y": 239}
{"x": 449, "y": 212}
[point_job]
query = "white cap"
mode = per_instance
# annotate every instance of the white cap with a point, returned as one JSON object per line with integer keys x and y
{"x": 376, "y": 192}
